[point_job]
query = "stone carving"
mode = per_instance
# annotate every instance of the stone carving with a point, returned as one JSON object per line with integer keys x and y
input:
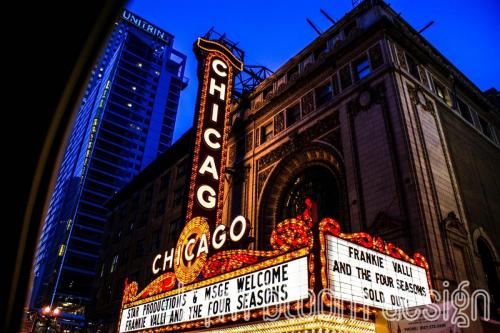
{"x": 279, "y": 122}
{"x": 418, "y": 97}
{"x": 307, "y": 103}
{"x": 401, "y": 57}
{"x": 451, "y": 221}
{"x": 298, "y": 140}
{"x": 249, "y": 141}
{"x": 261, "y": 179}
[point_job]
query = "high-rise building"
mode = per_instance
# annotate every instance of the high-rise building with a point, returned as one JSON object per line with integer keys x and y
{"x": 125, "y": 120}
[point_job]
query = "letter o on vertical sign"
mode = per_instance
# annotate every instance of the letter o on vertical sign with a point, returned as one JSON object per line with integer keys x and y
{"x": 243, "y": 222}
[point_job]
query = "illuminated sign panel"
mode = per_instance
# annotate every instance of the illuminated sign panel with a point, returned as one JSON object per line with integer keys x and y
{"x": 209, "y": 158}
{"x": 360, "y": 275}
{"x": 275, "y": 285}
{"x": 146, "y": 26}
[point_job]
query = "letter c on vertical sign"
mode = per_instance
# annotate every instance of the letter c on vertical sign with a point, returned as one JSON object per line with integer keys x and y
{"x": 215, "y": 66}
{"x": 206, "y": 137}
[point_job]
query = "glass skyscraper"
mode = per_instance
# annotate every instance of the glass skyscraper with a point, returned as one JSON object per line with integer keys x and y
{"x": 126, "y": 118}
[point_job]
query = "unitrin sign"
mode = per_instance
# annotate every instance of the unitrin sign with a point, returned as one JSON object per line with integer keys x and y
{"x": 146, "y": 26}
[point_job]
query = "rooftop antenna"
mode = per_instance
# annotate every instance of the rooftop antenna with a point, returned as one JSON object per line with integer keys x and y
{"x": 313, "y": 26}
{"x": 425, "y": 27}
{"x": 327, "y": 16}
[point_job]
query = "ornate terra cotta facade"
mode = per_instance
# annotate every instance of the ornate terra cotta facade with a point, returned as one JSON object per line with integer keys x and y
{"x": 383, "y": 134}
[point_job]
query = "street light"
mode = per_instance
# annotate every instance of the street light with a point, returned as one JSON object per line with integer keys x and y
{"x": 50, "y": 314}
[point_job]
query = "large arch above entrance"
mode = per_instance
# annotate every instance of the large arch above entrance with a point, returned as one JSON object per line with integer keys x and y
{"x": 315, "y": 171}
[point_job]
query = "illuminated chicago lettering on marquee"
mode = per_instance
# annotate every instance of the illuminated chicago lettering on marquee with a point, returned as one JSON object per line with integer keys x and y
{"x": 192, "y": 243}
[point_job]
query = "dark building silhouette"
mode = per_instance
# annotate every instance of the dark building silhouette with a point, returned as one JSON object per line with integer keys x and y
{"x": 125, "y": 120}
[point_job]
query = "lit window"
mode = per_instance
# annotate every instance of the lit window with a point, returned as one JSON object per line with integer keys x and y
{"x": 139, "y": 65}
{"x": 61, "y": 250}
{"x": 100, "y": 75}
{"x": 129, "y": 105}
{"x": 266, "y": 132}
{"x": 134, "y": 88}
{"x": 362, "y": 68}
{"x": 292, "y": 114}
{"x": 441, "y": 92}
{"x": 323, "y": 94}
{"x": 157, "y": 72}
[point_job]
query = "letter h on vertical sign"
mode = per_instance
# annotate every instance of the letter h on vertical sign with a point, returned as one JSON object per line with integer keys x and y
{"x": 216, "y": 73}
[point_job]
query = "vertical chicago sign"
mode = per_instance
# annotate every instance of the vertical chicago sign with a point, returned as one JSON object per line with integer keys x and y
{"x": 207, "y": 177}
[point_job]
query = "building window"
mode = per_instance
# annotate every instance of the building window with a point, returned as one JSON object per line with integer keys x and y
{"x": 335, "y": 85}
{"x": 125, "y": 256}
{"x": 114, "y": 263}
{"x": 148, "y": 194}
{"x": 266, "y": 132}
{"x": 464, "y": 111}
{"x": 412, "y": 66}
{"x": 362, "y": 68}
{"x": 178, "y": 197}
{"x": 160, "y": 207}
{"x": 292, "y": 115}
{"x": 345, "y": 77}
{"x": 61, "y": 250}
{"x": 323, "y": 94}
{"x": 175, "y": 229}
{"x": 155, "y": 240}
{"x": 485, "y": 127}
{"x": 376, "y": 57}
{"x": 181, "y": 169}
{"x": 139, "y": 249}
{"x": 164, "y": 181}
{"x": 441, "y": 92}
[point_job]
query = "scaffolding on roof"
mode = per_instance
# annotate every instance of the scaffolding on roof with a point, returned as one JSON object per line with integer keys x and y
{"x": 251, "y": 76}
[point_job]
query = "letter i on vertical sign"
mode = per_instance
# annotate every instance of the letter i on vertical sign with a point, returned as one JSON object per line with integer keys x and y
{"x": 218, "y": 66}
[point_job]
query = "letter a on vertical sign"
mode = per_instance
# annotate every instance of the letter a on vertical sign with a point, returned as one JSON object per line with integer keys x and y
{"x": 218, "y": 66}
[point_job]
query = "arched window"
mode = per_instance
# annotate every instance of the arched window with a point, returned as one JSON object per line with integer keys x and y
{"x": 317, "y": 183}
{"x": 489, "y": 269}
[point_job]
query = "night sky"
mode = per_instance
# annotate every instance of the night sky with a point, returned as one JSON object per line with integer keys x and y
{"x": 271, "y": 32}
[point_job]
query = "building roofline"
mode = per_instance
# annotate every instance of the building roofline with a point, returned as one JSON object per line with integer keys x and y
{"x": 395, "y": 20}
